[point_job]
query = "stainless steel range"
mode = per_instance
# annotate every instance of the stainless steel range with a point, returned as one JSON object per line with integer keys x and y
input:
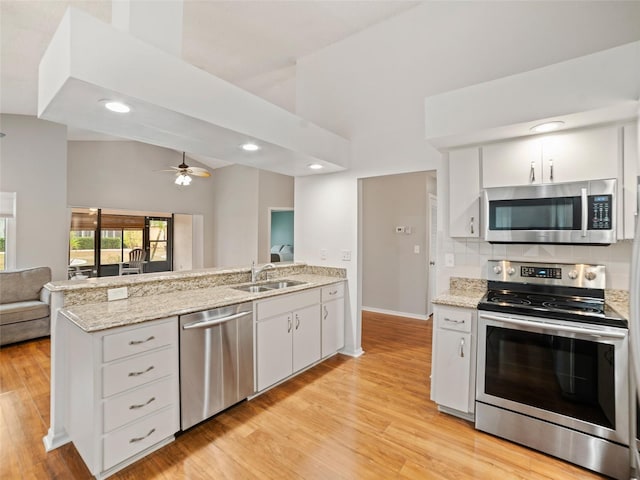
{"x": 552, "y": 370}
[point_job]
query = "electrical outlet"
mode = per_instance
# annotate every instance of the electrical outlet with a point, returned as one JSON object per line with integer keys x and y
{"x": 117, "y": 293}
{"x": 449, "y": 260}
{"x": 399, "y": 229}
{"x": 323, "y": 254}
{"x": 346, "y": 255}
{"x": 416, "y": 249}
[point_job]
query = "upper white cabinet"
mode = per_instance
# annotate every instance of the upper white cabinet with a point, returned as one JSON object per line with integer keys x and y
{"x": 464, "y": 192}
{"x": 513, "y": 163}
{"x": 561, "y": 157}
{"x": 629, "y": 190}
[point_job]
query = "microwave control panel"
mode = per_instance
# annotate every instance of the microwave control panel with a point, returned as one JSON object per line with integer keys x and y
{"x": 600, "y": 212}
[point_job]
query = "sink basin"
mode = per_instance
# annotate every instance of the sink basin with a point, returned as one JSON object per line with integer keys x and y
{"x": 283, "y": 284}
{"x": 267, "y": 287}
{"x": 253, "y": 288}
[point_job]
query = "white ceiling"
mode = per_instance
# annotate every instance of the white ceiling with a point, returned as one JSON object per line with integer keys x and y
{"x": 252, "y": 44}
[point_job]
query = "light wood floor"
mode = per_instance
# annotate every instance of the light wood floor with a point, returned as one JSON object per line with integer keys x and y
{"x": 347, "y": 418}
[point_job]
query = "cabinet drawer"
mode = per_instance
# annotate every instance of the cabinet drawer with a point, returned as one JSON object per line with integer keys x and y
{"x": 454, "y": 318}
{"x": 129, "y": 407}
{"x": 138, "y": 340}
{"x": 138, "y": 370}
{"x": 332, "y": 291}
{"x": 126, "y": 442}
{"x": 287, "y": 303}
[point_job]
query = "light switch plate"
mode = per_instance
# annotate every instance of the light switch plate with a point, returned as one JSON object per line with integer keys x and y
{"x": 117, "y": 293}
{"x": 323, "y": 254}
{"x": 449, "y": 260}
{"x": 416, "y": 249}
{"x": 346, "y": 255}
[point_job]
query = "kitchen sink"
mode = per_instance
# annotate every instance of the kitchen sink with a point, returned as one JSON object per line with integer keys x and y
{"x": 283, "y": 284}
{"x": 267, "y": 287}
{"x": 253, "y": 288}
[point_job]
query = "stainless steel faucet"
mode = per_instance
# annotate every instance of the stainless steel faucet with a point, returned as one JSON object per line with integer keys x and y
{"x": 257, "y": 271}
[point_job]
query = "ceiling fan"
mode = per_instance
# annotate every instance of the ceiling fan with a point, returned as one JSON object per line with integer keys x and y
{"x": 183, "y": 172}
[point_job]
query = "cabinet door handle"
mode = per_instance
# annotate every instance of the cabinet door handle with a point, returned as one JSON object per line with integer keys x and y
{"x": 135, "y": 407}
{"x": 138, "y": 342}
{"x": 297, "y": 321}
{"x": 533, "y": 172}
{"x": 289, "y": 324}
{"x": 139, "y": 439}
{"x": 326, "y": 312}
{"x": 136, "y": 374}
{"x": 551, "y": 169}
{"x": 471, "y": 225}
{"x": 447, "y": 319}
{"x": 462, "y": 347}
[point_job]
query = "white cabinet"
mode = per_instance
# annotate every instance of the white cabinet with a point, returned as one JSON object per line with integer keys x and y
{"x": 332, "y": 319}
{"x": 570, "y": 156}
{"x": 629, "y": 190}
{"x": 288, "y": 336}
{"x": 123, "y": 392}
{"x": 454, "y": 360}
{"x": 464, "y": 192}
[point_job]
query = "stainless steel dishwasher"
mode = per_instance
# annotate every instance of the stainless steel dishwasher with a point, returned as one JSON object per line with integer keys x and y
{"x": 216, "y": 361}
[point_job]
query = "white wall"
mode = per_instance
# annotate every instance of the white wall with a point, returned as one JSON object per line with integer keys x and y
{"x": 275, "y": 191}
{"x": 33, "y": 163}
{"x": 371, "y": 87}
{"x": 242, "y": 197}
{"x": 182, "y": 242}
{"x": 127, "y": 175}
{"x": 394, "y": 276}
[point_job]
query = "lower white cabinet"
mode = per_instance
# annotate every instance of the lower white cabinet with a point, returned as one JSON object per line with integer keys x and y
{"x": 332, "y": 319}
{"x": 123, "y": 392}
{"x": 288, "y": 336}
{"x": 454, "y": 360}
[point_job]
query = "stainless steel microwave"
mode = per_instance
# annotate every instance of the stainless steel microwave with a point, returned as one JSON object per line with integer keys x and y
{"x": 573, "y": 213}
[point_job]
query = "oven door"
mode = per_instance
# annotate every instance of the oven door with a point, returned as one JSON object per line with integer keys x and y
{"x": 567, "y": 373}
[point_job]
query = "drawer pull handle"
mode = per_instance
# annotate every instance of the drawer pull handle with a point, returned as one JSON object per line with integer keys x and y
{"x": 447, "y": 319}
{"x": 333, "y": 293}
{"x": 139, "y": 439}
{"x": 138, "y": 342}
{"x": 136, "y": 374}
{"x": 135, "y": 407}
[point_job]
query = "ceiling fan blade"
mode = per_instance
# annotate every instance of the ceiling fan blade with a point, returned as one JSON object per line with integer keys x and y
{"x": 198, "y": 172}
{"x": 174, "y": 170}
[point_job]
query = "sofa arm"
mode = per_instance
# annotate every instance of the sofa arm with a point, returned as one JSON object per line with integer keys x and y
{"x": 45, "y": 296}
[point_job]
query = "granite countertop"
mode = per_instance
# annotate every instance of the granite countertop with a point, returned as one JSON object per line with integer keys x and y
{"x": 94, "y": 317}
{"x": 460, "y": 298}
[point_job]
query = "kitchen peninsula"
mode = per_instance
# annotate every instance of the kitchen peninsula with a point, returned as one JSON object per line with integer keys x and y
{"x": 114, "y": 417}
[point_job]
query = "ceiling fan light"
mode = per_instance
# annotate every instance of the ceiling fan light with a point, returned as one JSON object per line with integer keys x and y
{"x": 183, "y": 180}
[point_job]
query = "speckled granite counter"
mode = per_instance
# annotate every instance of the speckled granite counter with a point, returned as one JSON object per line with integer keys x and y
{"x": 619, "y": 301}
{"x": 463, "y": 292}
{"x": 93, "y": 317}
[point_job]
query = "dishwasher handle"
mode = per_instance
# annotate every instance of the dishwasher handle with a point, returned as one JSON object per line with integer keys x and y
{"x": 217, "y": 321}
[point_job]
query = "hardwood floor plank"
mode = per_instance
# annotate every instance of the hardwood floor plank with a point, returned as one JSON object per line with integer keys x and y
{"x": 365, "y": 418}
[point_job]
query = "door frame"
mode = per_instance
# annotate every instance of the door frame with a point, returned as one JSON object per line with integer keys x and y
{"x": 271, "y": 210}
{"x": 432, "y": 202}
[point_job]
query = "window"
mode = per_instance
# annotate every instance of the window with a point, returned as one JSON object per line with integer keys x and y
{"x": 7, "y": 230}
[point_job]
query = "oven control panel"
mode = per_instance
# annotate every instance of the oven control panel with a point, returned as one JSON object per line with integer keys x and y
{"x": 540, "y": 272}
{"x": 600, "y": 212}
{"x": 557, "y": 274}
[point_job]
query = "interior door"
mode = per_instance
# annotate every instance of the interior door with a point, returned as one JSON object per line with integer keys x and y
{"x": 432, "y": 236}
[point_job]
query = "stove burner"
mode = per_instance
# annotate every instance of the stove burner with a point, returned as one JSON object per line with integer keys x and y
{"x": 572, "y": 306}
{"x": 541, "y": 298}
{"x": 510, "y": 300}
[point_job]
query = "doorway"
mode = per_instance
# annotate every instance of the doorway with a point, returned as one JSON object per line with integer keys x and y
{"x": 281, "y": 234}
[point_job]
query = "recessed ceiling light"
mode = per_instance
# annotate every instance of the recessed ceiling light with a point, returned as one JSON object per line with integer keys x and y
{"x": 250, "y": 147}
{"x": 117, "y": 107}
{"x": 315, "y": 166}
{"x": 547, "y": 127}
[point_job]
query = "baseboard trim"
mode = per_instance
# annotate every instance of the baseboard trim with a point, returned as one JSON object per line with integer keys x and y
{"x": 397, "y": 314}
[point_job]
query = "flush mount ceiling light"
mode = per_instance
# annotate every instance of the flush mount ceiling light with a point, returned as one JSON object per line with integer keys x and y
{"x": 183, "y": 179}
{"x": 315, "y": 166}
{"x": 547, "y": 127}
{"x": 117, "y": 107}
{"x": 250, "y": 147}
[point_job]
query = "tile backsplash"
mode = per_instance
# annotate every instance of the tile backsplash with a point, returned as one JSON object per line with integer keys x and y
{"x": 471, "y": 256}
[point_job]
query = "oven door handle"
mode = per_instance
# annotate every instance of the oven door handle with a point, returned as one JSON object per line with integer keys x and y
{"x": 556, "y": 327}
